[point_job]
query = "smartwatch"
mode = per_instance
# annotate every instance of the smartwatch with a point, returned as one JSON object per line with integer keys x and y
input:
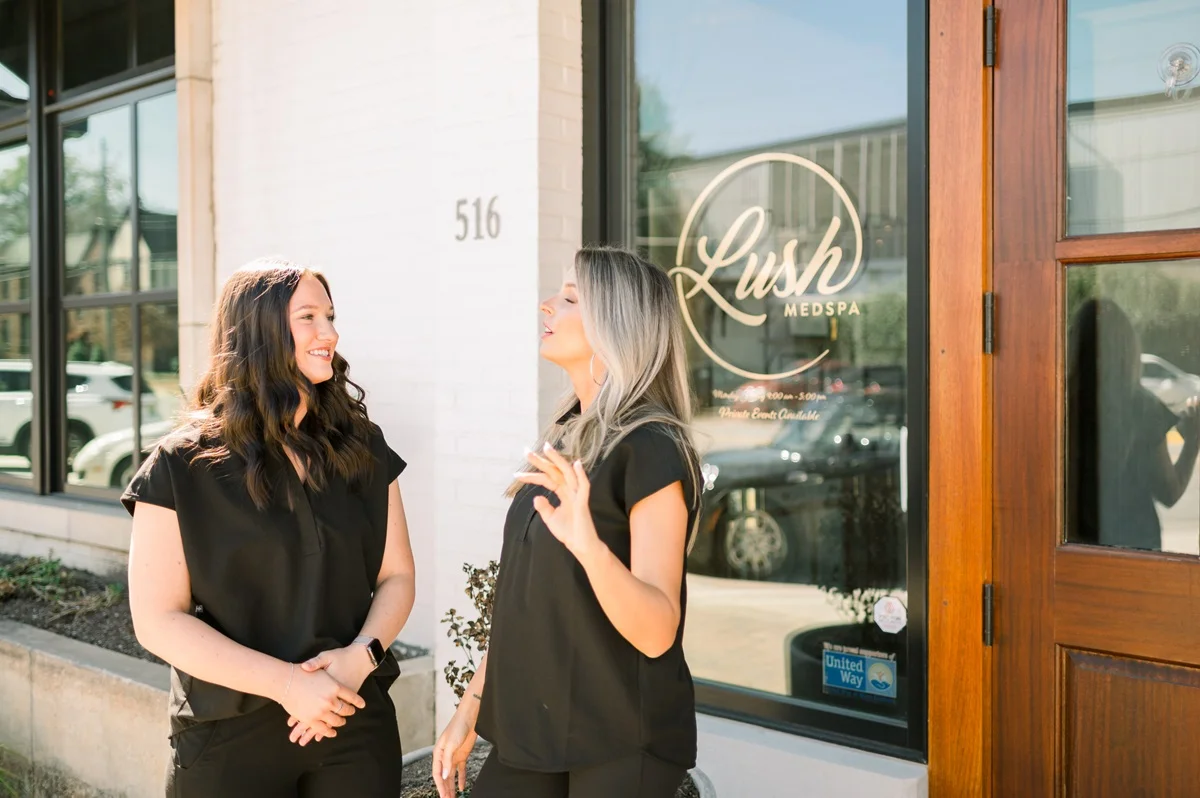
{"x": 374, "y": 649}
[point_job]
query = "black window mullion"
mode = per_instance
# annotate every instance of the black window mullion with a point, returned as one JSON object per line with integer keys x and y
{"x": 131, "y": 8}
{"x": 40, "y": 282}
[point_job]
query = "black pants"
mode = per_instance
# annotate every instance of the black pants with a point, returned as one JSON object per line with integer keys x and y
{"x": 640, "y": 776}
{"x": 250, "y": 756}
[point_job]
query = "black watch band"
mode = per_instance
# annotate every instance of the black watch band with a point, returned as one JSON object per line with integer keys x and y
{"x": 374, "y": 649}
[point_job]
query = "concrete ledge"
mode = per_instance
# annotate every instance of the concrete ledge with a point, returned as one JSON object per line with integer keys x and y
{"x": 96, "y": 715}
{"x": 741, "y": 759}
{"x": 100, "y": 717}
{"x": 89, "y": 535}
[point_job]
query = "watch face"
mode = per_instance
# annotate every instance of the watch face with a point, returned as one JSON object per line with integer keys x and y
{"x": 377, "y": 653}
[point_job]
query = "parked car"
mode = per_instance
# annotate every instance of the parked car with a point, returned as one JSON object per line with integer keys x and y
{"x": 99, "y": 400}
{"x": 107, "y": 461}
{"x": 1171, "y": 384}
{"x": 776, "y": 512}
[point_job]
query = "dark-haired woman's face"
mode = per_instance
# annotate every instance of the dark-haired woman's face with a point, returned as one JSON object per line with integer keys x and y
{"x": 311, "y": 316}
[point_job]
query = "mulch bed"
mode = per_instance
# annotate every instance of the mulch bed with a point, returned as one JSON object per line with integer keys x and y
{"x": 108, "y": 627}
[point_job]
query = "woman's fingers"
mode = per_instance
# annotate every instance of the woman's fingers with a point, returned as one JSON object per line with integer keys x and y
{"x": 545, "y": 466}
{"x": 349, "y": 696}
{"x": 535, "y": 478}
{"x": 583, "y": 484}
{"x": 566, "y": 472}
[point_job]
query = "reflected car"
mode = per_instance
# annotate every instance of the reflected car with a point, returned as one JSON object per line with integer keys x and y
{"x": 1171, "y": 384}
{"x": 778, "y": 512}
{"x": 107, "y": 461}
{"x": 99, "y": 400}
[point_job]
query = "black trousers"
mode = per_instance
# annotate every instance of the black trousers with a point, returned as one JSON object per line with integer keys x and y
{"x": 640, "y": 776}
{"x": 250, "y": 756}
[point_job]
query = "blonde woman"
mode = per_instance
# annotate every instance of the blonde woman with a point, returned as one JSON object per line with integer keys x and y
{"x": 584, "y": 692}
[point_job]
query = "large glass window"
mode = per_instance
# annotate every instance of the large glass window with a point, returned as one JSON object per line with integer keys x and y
{"x": 16, "y": 396}
{"x": 121, "y": 359}
{"x": 88, "y": 240}
{"x": 771, "y": 181}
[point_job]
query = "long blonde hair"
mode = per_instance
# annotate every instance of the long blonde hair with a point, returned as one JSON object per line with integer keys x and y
{"x": 631, "y": 318}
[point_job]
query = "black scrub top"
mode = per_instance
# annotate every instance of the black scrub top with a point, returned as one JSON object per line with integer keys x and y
{"x": 564, "y": 689}
{"x": 1118, "y": 465}
{"x": 291, "y": 580}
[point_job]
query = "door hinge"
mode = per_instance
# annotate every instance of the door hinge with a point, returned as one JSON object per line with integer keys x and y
{"x": 988, "y": 610}
{"x": 989, "y": 36}
{"x": 989, "y": 323}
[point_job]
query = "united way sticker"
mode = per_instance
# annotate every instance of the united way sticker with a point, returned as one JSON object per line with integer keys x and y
{"x": 858, "y": 673}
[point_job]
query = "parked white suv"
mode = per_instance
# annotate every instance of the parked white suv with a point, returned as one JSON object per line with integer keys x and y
{"x": 99, "y": 400}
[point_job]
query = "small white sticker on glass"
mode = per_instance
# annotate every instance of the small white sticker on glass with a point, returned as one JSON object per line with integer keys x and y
{"x": 890, "y": 614}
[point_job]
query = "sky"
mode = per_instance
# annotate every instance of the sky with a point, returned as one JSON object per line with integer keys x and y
{"x": 732, "y": 74}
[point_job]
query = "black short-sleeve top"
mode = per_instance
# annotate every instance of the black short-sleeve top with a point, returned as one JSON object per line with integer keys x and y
{"x": 564, "y": 688}
{"x": 290, "y": 580}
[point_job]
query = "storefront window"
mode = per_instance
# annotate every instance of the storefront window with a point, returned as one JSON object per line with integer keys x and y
{"x": 88, "y": 240}
{"x": 129, "y": 349}
{"x": 772, "y": 184}
{"x": 16, "y": 395}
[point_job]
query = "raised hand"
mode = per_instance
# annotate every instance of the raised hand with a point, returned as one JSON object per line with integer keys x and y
{"x": 571, "y": 521}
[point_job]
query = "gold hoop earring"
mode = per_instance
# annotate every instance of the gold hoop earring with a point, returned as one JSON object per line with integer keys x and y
{"x": 592, "y": 373}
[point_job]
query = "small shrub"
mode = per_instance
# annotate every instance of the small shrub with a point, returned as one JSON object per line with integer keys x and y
{"x": 471, "y": 636}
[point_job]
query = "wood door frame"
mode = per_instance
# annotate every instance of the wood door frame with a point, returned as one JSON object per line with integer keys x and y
{"x": 960, "y": 442}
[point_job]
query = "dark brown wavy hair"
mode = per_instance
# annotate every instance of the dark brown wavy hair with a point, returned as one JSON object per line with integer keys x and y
{"x": 246, "y": 403}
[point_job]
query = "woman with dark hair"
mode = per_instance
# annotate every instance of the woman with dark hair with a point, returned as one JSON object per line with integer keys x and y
{"x": 585, "y": 691}
{"x": 1118, "y": 462}
{"x": 270, "y": 563}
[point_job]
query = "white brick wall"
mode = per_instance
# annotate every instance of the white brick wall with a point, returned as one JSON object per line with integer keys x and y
{"x": 344, "y": 140}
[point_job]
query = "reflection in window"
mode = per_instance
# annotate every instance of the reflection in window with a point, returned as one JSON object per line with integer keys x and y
{"x": 99, "y": 376}
{"x": 97, "y": 176}
{"x": 777, "y": 200}
{"x": 155, "y": 30}
{"x": 95, "y": 40}
{"x": 1133, "y": 106}
{"x": 14, "y": 54}
{"x": 1132, "y": 435}
{"x": 158, "y": 193}
{"x": 16, "y": 394}
{"x": 14, "y": 223}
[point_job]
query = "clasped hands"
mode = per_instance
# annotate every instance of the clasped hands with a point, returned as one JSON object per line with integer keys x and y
{"x": 323, "y": 692}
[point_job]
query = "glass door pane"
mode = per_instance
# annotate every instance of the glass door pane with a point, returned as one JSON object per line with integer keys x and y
{"x": 1133, "y": 112}
{"x": 1133, "y": 380}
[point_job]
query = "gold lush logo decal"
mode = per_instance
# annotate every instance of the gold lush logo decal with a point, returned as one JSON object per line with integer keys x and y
{"x": 773, "y": 274}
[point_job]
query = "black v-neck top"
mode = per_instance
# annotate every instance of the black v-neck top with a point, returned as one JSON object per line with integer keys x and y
{"x": 564, "y": 689}
{"x": 291, "y": 580}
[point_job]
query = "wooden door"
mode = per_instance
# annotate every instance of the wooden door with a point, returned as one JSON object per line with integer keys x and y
{"x": 1097, "y": 277}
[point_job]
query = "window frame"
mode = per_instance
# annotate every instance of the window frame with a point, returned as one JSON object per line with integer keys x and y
{"x": 48, "y": 110}
{"x": 609, "y": 178}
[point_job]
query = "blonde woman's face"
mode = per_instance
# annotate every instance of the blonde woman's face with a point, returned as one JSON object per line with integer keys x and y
{"x": 564, "y": 342}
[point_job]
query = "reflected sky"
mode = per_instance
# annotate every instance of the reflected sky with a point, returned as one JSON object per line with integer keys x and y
{"x": 1114, "y": 47}
{"x": 721, "y": 75}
